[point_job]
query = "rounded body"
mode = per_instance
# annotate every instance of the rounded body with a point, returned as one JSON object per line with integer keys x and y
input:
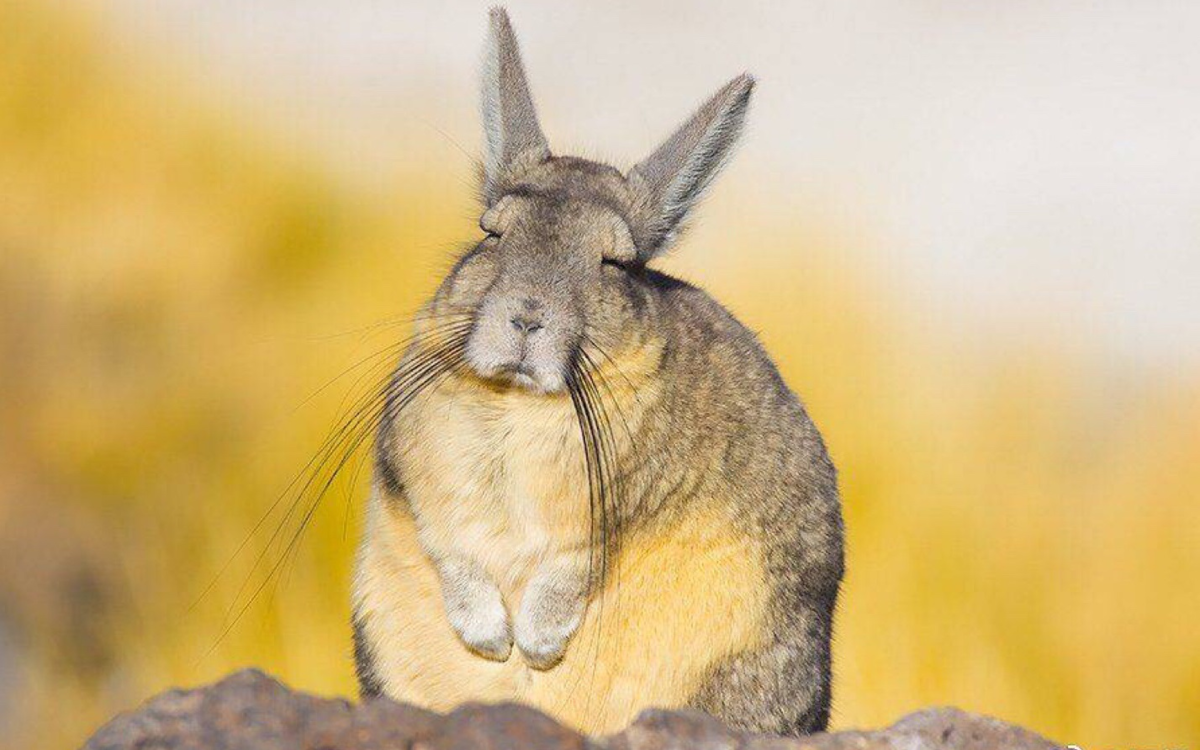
{"x": 723, "y": 552}
{"x": 594, "y": 493}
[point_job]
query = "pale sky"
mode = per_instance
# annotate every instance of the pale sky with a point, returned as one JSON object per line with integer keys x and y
{"x": 1015, "y": 161}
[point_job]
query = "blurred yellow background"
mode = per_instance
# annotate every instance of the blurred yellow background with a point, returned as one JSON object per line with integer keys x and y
{"x": 178, "y": 276}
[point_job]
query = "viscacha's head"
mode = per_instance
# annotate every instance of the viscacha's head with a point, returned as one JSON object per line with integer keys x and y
{"x": 567, "y": 239}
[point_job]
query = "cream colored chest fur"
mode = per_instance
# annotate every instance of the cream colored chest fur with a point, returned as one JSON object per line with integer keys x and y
{"x": 497, "y": 477}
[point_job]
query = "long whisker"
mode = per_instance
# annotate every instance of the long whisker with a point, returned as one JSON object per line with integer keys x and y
{"x": 389, "y": 351}
{"x": 593, "y": 370}
{"x": 394, "y": 321}
{"x": 351, "y": 446}
{"x": 454, "y": 324}
{"x": 367, "y": 423}
{"x": 593, "y": 457}
{"x": 434, "y": 360}
{"x": 600, "y": 454}
{"x": 614, "y": 486}
{"x": 596, "y": 535}
{"x": 606, "y": 453}
{"x": 352, "y": 433}
{"x": 339, "y": 438}
{"x": 591, "y": 341}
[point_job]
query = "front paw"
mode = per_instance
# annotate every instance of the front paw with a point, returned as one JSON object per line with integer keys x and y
{"x": 482, "y": 626}
{"x": 475, "y": 609}
{"x": 542, "y": 634}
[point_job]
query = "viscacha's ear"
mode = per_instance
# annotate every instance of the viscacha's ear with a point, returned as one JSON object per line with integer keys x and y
{"x": 672, "y": 179}
{"x": 513, "y": 137}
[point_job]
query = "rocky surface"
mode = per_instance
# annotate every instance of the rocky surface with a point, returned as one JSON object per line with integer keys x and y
{"x": 250, "y": 711}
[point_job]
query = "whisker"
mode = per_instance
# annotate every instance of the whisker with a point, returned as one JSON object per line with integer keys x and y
{"x": 451, "y": 326}
{"x": 427, "y": 372}
{"x": 434, "y": 360}
{"x": 340, "y": 437}
{"x": 600, "y": 455}
{"x": 616, "y": 367}
{"x": 595, "y": 536}
{"x": 386, "y": 353}
{"x": 358, "y": 427}
{"x": 595, "y": 370}
{"x": 392, "y": 322}
{"x": 614, "y": 487}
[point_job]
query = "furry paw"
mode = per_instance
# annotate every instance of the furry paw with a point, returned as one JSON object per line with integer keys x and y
{"x": 475, "y": 609}
{"x": 482, "y": 626}
{"x": 545, "y": 649}
{"x": 544, "y": 627}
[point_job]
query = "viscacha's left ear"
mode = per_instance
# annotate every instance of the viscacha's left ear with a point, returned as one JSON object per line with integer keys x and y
{"x": 513, "y": 137}
{"x": 672, "y": 179}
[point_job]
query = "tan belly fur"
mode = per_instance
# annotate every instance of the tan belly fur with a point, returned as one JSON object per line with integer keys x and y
{"x": 499, "y": 477}
{"x": 684, "y": 601}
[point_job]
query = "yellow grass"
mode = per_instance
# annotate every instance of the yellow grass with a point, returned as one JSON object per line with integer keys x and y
{"x": 1024, "y": 531}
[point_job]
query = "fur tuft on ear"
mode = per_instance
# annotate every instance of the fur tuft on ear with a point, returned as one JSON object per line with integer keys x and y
{"x": 672, "y": 179}
{"x": 512, "y": 134}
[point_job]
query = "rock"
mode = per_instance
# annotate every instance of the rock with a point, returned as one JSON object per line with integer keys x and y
{"x": 932, "y": 728}
{"x": 250, "y": 711}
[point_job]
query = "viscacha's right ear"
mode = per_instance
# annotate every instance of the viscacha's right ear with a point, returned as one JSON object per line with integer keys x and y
{"x": 513, "y": 137}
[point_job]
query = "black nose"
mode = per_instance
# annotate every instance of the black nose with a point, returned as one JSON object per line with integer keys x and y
{"x": 527, "y": 322}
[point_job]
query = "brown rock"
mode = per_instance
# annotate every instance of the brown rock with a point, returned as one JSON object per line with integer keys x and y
{"x": 507, "y": 726}
{"x": 250, "y": 711}
{"x": 675, "y": 730}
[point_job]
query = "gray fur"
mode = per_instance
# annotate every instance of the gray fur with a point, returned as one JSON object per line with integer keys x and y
{"x": 510, "y": 123}
{"x": 724, "y": 433}
{"x": 369, "y": 684}
{"x": 676, "y": 175}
